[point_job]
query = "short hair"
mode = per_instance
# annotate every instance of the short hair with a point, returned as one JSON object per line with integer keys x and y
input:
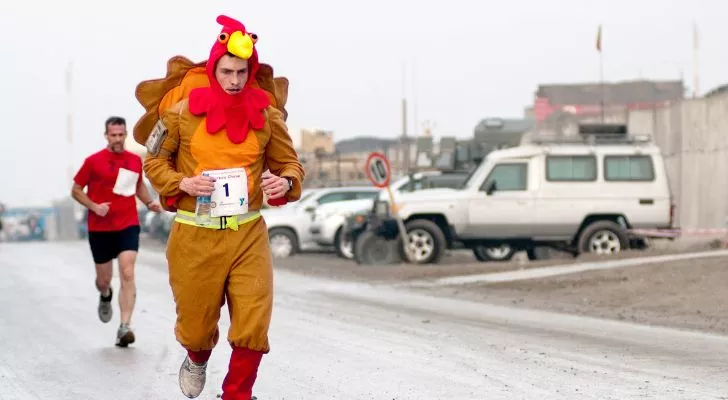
{"x": 114, "y": 120}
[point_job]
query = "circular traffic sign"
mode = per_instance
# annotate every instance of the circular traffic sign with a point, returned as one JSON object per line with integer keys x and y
{"x": 378, "y": 170}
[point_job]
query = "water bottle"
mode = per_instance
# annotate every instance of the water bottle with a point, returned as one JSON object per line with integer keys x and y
{"x": 202, "y": 209}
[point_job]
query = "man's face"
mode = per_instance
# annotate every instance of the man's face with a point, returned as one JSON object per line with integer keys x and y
{"x": 231, "y": 73}
{"x": 116, "y": 136}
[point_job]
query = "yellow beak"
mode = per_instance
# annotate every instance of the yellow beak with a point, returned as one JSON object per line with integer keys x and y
{"x": 240, "y": 45}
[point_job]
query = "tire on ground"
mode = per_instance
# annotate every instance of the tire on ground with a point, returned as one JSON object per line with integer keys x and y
{"x": 286, "y": 234}
{"x": 603, "y": 225}
{"x": 370, "y": 249}
{"x": 435, "y": 233}
{"x": 481, "y": 253}
{"x": 338, "y": 243}
{"x": 537, "y": 253}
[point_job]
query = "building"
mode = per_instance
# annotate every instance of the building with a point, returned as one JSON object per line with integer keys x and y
{"x": 587, "y": 99}
{"x": 316, "y": 140}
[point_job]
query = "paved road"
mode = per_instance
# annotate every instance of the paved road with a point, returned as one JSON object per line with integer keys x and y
{"x": 333, "y": 340}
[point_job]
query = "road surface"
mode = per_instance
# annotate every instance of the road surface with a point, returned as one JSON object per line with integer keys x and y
{"x": 333, "y": 340}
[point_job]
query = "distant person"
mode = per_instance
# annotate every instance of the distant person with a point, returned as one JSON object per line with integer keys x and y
{"x": 114, "y": 179}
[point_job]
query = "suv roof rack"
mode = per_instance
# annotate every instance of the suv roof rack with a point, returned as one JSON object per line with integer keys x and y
{"x": 596, "y": 134}
{"x": 593, "y": 139}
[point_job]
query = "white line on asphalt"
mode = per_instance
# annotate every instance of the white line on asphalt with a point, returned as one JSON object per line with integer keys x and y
{"x": 544, "y": 272}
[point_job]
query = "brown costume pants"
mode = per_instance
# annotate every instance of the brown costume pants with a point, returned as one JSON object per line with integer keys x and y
{"x": 208, "y": 266}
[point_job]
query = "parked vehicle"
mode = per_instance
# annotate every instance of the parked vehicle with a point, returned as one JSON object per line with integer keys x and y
{"x": 330, "y": 222}
{"x": 579, "y": 195}
{"x": 289, "y": 226}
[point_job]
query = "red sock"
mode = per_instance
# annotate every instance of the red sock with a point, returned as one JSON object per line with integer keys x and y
{"x": 199, "y": 357}
{"x": 242, "y": 372}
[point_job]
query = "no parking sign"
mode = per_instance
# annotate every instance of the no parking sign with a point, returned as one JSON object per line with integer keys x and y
{"x": 378, "y": 170}
{"x": 379, "y": 173}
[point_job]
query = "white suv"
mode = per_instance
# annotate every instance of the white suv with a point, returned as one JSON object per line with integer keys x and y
{"x": 583, "y": 195}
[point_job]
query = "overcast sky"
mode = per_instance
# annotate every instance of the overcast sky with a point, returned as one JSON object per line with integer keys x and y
{"x": 464, "y": 61}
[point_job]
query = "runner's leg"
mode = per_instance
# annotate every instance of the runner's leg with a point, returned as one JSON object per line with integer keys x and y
{"x": 250, "y": 302}
{"x": 127, "y": 292}
{"x": 103, "y": 255}
{"x": 128, "y": 242}
{"x": 198, "y": 268}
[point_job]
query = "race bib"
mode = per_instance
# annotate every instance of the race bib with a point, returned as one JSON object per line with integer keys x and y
{"x": 126, "y": 183}
{"x": 230, "y": 196}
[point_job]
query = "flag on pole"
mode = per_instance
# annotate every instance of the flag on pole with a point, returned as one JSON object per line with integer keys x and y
{"x": 599, "y": 38}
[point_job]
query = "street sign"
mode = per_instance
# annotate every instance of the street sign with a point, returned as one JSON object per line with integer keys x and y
{"x": 378, "y": 169}
{"x": 379, "y": 173}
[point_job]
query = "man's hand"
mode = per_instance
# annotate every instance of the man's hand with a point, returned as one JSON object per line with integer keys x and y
{"x": 101, "y": 209}
{"x": 155, "y": 206}
{"x": 198, "y": 185}
{"x": 274, "y": 186}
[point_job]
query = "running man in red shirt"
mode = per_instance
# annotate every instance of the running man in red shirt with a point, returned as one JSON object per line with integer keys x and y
{"x": 114, "y": 179}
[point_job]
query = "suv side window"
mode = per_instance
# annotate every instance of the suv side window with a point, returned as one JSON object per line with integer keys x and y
{"x": 335, "y": 196}
{"x": 571, "y": 168}
{"x": 366, "y": 195}
{"x": 631, "y": 168}
{"x": 508, "y": 177}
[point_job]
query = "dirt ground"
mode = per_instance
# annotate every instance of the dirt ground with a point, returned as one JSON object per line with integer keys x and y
{"x": 684, "y": 294}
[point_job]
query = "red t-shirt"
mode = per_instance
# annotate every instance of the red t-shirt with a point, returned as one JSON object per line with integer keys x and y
{"x": 111, "y": 177}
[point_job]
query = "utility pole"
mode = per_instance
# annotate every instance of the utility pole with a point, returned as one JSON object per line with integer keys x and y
{"x": 405, "y": 141}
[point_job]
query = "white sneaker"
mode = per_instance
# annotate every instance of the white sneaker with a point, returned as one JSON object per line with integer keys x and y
{"x": 192, "y": 378}
{"x": 124, "y": 336}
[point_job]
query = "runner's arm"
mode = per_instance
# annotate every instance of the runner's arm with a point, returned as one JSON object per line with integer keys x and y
{"x": 160, "y": 168}
{"x": 143, "y": 193}
{"x": 80, "y": 196}
{"x": 80, "y": 181}
{"x": 281, "y": 156}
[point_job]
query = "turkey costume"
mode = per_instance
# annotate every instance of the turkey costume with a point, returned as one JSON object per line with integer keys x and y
{"x": 191, "y": 126}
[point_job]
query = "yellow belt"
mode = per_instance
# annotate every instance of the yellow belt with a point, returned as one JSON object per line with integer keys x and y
{"x": 232, "y": 222}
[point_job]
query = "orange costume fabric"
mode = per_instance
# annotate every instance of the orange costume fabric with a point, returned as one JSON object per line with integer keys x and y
{"x": 208, "y": 129}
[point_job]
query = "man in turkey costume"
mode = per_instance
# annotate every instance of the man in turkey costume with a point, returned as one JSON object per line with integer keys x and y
{"x": 225, "y": 118}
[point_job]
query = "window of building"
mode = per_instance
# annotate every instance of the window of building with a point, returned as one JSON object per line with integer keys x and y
{"x": 571, "y": 168}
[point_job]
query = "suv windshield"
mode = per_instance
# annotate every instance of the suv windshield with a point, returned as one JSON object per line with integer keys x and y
{"x": 467, "y": 180}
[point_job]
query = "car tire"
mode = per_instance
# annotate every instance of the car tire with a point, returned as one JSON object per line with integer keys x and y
{"x": 429, "y": 237}
{"x": 487, "y": 253}
{"x": 283, "y": 242}
{"x": 603, "y": 237}
{"x": 344, "y": 249}
{"x": 371, "y": 249}
{"x": 538, "y": 253}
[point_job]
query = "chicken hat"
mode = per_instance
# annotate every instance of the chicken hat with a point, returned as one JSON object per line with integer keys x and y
{"x": 184, "y": 76}
{"x": 236, "y": 113}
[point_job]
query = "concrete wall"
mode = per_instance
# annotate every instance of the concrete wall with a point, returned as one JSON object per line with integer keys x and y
{"x": 693, "y": 137}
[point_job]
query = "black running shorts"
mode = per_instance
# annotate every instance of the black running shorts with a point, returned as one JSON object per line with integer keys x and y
{"x": 105, "y": 246}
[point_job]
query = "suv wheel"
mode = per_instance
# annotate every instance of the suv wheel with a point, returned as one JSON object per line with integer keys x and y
{"x": 603, "y": 237}
{"x": 503, "y": 252}
{"x": 426, "y": 241}
{"x": 283, "y": 243}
